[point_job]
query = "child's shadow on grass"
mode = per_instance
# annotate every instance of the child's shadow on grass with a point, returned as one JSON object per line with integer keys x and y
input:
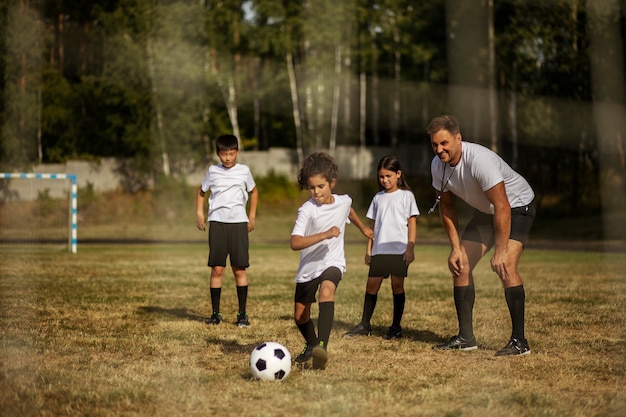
{"x": 181, "y": 313}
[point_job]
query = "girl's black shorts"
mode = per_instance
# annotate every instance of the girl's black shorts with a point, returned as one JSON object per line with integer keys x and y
{"x": 305, "y": 291}
{"x": 228, "y": 239}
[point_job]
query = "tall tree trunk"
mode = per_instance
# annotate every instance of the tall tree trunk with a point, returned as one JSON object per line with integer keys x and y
{"x": 165, "y": 159}
{"x": 608, "y": 86}
{"x": 295, "y": 106}
{"x": 375, "y": 99}
{"x": 335, "y": 106}
{"x": 397, "y": 67}
{"x": 493, "y": 97}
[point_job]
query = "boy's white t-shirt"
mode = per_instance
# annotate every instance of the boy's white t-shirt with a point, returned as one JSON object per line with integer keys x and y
{"x": 479, "y": 170}
{"x": 390, "y": 212}
{"x": 313, "y": 218}
{"x": 229, "y": 189}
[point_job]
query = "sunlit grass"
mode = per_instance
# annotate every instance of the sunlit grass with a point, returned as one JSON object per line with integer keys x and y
{"x": 118, "y": 330}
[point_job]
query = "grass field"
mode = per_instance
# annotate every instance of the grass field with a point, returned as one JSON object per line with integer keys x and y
{"x": 118, "y": 330}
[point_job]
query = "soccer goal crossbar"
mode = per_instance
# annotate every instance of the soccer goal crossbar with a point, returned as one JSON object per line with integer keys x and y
{"x": 72, "y": 204}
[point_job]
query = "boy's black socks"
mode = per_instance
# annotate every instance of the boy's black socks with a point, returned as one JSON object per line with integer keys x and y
{"x": 242, "y": 297}
{"x": 398, "y": 308}
{"x": 325, "y": 321}
{"x": 515, "y": 300}
{"x": 464, "y": 301}
{"x": 216, "y": 294}
{"x": 369, "y": 304}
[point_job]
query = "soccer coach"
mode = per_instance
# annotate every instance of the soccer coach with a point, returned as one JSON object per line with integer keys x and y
{"x": 504, "y": 210}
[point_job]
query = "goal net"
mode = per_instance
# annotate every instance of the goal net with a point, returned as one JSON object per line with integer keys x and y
{"x": 38, "y": 210}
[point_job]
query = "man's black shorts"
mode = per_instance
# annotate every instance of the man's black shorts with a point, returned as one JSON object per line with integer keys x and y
{"x": 229, "y": 239}
{"x": 480, "y": 228}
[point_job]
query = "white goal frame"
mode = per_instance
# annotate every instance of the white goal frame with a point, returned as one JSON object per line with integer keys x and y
{"x": 72, "y": 243}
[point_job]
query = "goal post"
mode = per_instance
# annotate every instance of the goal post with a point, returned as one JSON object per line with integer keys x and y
{"x": 8, "y": 193}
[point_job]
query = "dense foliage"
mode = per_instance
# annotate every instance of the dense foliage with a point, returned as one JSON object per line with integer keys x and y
{"x": 156, "y": 81}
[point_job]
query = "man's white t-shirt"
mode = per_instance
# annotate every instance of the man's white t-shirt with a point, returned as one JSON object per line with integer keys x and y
{"x": 479, "y": 170}
{"x": 229, "y": 189}
{"x": 390, "y": 212}
{"x": 315, "y": 218}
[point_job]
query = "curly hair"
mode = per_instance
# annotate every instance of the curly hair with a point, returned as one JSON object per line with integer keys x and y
{"x": 318, "y": 163}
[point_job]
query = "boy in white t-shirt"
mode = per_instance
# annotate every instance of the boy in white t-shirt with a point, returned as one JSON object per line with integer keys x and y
{"x": 230, "y": 184}
{"x": 319, "y": 235}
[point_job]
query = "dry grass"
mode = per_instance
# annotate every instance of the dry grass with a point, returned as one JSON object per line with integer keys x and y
{"x": 118, "y": 330}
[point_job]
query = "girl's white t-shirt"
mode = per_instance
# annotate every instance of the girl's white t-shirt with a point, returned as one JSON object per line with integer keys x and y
{"x": 479, "y": 170}
{"x": 316, "y": 218}
{"x": 390, "y": 212}
{"x": 229, "y": 189}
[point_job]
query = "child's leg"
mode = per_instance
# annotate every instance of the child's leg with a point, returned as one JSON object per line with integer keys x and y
{"x": 399, "y": 299}
{"x": 302, "y": 317}
{"x": 241, "y": 280}
{"x": 371, "y": 296}
{"x": 326, "y": 311}
{"x": 217, "y": 273}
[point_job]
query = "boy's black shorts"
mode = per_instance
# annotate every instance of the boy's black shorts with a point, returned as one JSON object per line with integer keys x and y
{"x": 385, "y": 265}
{"x": 228, "y": 239}
{"x": 480, "y": 228}
{"x": 305, "y": 291}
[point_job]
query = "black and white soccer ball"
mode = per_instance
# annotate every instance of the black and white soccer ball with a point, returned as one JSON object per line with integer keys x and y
{"x": 270, "y": 361}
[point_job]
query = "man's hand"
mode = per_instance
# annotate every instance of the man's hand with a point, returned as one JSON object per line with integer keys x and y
{"x": 499, "y": 264}
{"x": 455, "y": 262}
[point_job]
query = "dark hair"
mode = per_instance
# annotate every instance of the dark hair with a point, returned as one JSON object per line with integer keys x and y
{"x": 226, "y": 143}
{"x": 445, "y": 122}
{"x": 319, "y": 163}
{"x": 391, "y": 163}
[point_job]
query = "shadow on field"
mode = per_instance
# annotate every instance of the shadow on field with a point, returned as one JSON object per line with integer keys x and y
{"x": 181, "y": 313}
{"x": 417, "y": 335}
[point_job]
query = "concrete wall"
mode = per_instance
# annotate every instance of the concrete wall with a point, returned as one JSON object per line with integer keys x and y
{"x": 354, "y": 163}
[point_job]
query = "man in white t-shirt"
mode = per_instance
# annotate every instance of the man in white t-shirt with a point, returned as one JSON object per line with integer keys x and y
{"x": 504, "y": 210}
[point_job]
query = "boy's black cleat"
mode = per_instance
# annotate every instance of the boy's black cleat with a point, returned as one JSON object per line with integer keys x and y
{"x": 242, "y": 320}
{"x": 359, "y": 330}
{"x": 320, "y": 356}
{"x": 393, "y": 333}
{"x": 457, "y": 342}
{"x": 215, "y": 319}
{"x": 514, "y": 347}
{"x": 305, "y": 355}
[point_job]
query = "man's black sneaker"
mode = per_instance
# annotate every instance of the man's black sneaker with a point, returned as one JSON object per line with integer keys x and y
{"x": 457, "y": 342}
{"x": 320, "y": 356}
{"x": 216, "y": 318}
{"x": 305, "y": 355}
{"x": 359, "y": 330}
{"x": 393, "y": 333}
{"x": 242, "y": 320}
{"x": 515, "y": 347}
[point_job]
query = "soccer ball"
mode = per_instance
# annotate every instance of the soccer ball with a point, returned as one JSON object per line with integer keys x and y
{"x": 270, "y": 361}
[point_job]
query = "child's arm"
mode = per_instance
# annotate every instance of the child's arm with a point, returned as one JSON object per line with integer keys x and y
{"x": 302, "y": 242}
{"x": 356, "y": 220}
{"x": 409, "y": 254}
{"x": 368, "y": 246}
{"x": 200, "y": 210}
{"x": 254, "y": 199}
